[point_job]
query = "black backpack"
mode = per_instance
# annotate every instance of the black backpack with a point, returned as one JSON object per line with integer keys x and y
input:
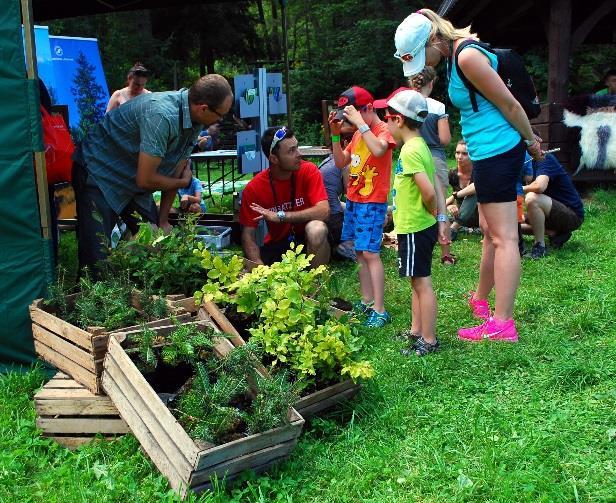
{"x": 512, "y": 71}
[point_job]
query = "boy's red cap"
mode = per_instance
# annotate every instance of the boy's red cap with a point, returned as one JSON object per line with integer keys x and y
{"x": 356, "y": 96}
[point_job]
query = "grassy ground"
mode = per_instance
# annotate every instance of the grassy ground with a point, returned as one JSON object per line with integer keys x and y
{"x": 490, "y": 422}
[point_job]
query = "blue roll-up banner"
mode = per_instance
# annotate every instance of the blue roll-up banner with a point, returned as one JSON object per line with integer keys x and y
{"x": 43, "y": 60}
{"x": 79, "y": 77}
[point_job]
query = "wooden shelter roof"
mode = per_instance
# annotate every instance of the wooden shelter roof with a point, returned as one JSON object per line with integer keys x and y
{"x": 45, "y": 10}
{"x": 524, "y": 24}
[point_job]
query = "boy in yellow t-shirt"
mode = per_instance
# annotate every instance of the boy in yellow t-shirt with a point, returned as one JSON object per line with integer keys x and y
{"x": 416, "y": 199}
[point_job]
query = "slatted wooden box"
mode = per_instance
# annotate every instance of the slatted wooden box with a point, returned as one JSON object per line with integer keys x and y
{"x": 310, "y": 404}
{"x": 186, "y": 464}
{"x": 77, "y": 352}
{"x": 71, "y": 415}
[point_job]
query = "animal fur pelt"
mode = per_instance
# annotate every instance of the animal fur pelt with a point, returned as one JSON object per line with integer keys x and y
{"x": 597, "y": 138}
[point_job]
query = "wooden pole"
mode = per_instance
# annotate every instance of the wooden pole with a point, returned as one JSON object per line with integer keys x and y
{"x": 285, "y": 49}
{"x": 39, "y": 157}
{"x": 559, "y": 40}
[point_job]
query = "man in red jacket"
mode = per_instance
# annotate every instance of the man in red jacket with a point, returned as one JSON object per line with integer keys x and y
{"x": 290, "y": 197}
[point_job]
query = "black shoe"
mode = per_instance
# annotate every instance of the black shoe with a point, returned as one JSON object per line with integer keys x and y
{"x": 537, "y": 251}
{"x": 454, "y": 234}
{"x": 558, "y": 240}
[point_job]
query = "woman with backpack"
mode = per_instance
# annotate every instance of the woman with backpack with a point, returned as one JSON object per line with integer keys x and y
{"x": 498, "y": 133}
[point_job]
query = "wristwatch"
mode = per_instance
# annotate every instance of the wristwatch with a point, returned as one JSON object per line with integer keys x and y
{"x": 530, "y": 142}
{"x": 282, "y": 216}
{"x": 363, "y": 128}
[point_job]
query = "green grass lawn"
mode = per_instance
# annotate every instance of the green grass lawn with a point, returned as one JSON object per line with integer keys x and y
{"x": 535, "y": 421}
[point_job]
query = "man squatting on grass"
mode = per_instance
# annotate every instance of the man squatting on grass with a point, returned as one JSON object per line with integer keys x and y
{"x": 369, "y": 157}
{"x": 290, "y": 197}
{"x": 553, "y": 205}
{"x": 138, "y": 148}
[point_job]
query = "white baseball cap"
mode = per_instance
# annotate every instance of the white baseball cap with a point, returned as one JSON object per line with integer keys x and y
{"x": 411, "y": 38}
{"x": 411, "y": 104}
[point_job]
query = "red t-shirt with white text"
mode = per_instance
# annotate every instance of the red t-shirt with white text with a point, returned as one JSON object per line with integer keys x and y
{"x": 309, "y": 190}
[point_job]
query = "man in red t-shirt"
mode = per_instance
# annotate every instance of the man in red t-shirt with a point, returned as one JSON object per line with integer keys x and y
{"x": 290, "y": 197}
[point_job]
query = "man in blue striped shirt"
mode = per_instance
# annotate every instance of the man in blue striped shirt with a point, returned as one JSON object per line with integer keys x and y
{"x": 138, "y": 148}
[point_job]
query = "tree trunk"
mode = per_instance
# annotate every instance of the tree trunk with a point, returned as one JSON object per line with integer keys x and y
{"x": 268, "y": 44}
{"x": 276, "y": 45}
{"x": 559, "y": 40}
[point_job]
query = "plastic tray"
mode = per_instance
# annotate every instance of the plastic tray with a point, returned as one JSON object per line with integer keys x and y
{"x": 222, "y": 238}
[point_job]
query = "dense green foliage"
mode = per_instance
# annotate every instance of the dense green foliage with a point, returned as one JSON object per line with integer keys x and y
{"x": 109, "y": 303}
{"x": 487, "y": 422}
{"x": 287, "y": 304}
{"x": 160, "y": 262}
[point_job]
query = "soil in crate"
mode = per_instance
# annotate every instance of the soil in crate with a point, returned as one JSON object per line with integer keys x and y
{"x": 240, "y": 321}
{"x": 168, "y": 379}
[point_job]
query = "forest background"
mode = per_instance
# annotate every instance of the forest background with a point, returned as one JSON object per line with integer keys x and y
{"x": 332, "y": 45}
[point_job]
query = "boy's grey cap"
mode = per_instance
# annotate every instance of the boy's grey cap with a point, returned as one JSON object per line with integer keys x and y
{"x": 411, "y": 104}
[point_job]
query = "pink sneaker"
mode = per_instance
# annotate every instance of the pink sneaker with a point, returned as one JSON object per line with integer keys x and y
{"x": 480, "y": 308}
{"x": 472, "y": 334}
{"x": 497, "y": 330}
{"x": 492, "y": 329}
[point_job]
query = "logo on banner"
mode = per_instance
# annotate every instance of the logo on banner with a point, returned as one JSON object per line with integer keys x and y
{"x": 58, "y": 50}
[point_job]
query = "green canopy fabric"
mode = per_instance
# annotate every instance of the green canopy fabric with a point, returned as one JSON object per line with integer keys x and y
{"x": 25, "y": 257}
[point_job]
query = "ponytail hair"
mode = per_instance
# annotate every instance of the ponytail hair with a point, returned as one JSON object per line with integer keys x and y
{"x": 444, "y": 29}
{"x": 423, "y": 78}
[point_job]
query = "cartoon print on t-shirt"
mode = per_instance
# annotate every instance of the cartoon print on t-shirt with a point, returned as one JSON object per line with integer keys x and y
{"x": 368, "y": 187}
{"x": 355, "y": 168}
{"x": 358, "y": 168}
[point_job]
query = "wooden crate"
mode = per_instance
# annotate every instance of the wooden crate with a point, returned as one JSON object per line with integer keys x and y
{"x": 186, "y": 465}
{"x": 71, "y": 415}
{"x": 310, "y": 404}
{"x": 76, "y": 352}
{"x": 315, "y": 403}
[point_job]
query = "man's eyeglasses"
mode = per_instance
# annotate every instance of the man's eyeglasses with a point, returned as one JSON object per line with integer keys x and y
{"x": 391, "y": 116}
{"x": 213, "y": 110}
{"x": 278, "y": 136}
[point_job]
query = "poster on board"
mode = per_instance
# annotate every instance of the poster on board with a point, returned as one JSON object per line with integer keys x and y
{"x": 80, "y": 81}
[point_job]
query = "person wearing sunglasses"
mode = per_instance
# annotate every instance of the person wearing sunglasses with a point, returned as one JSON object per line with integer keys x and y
{"x": 136, "y": 149}
{"x": 290, "y": 197}
{"x": 136, "y": 80}
{"x": 498, "y": 133}
{"x": 369, "y": 159}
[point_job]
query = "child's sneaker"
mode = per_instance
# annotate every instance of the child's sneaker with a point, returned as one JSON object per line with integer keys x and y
{"x": 492, "y": 329}
{"x": 480, "y": 307}
{"x": 377, "y": 320}
{"x": 362, "y": 309}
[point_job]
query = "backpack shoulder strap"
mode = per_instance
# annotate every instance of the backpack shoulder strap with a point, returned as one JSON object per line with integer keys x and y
{"x": 472, "y": 90}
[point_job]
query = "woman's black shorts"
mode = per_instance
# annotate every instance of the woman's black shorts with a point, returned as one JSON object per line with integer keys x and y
{"x": 496, "y": 177}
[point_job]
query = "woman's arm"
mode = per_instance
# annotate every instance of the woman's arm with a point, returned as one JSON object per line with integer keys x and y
{"x": 444, "y": 134}
{"x": 477, "y": 69}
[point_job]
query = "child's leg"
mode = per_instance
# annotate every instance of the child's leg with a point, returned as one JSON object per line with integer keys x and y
{"x": 376, "y": 278}
{"x": 415, "y": 311}
{"x": 427, "y": 307}
{"x": 365, "y": 281}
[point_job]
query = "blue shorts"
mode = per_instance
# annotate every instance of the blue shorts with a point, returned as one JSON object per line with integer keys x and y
{"x": 363, "y": 224}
